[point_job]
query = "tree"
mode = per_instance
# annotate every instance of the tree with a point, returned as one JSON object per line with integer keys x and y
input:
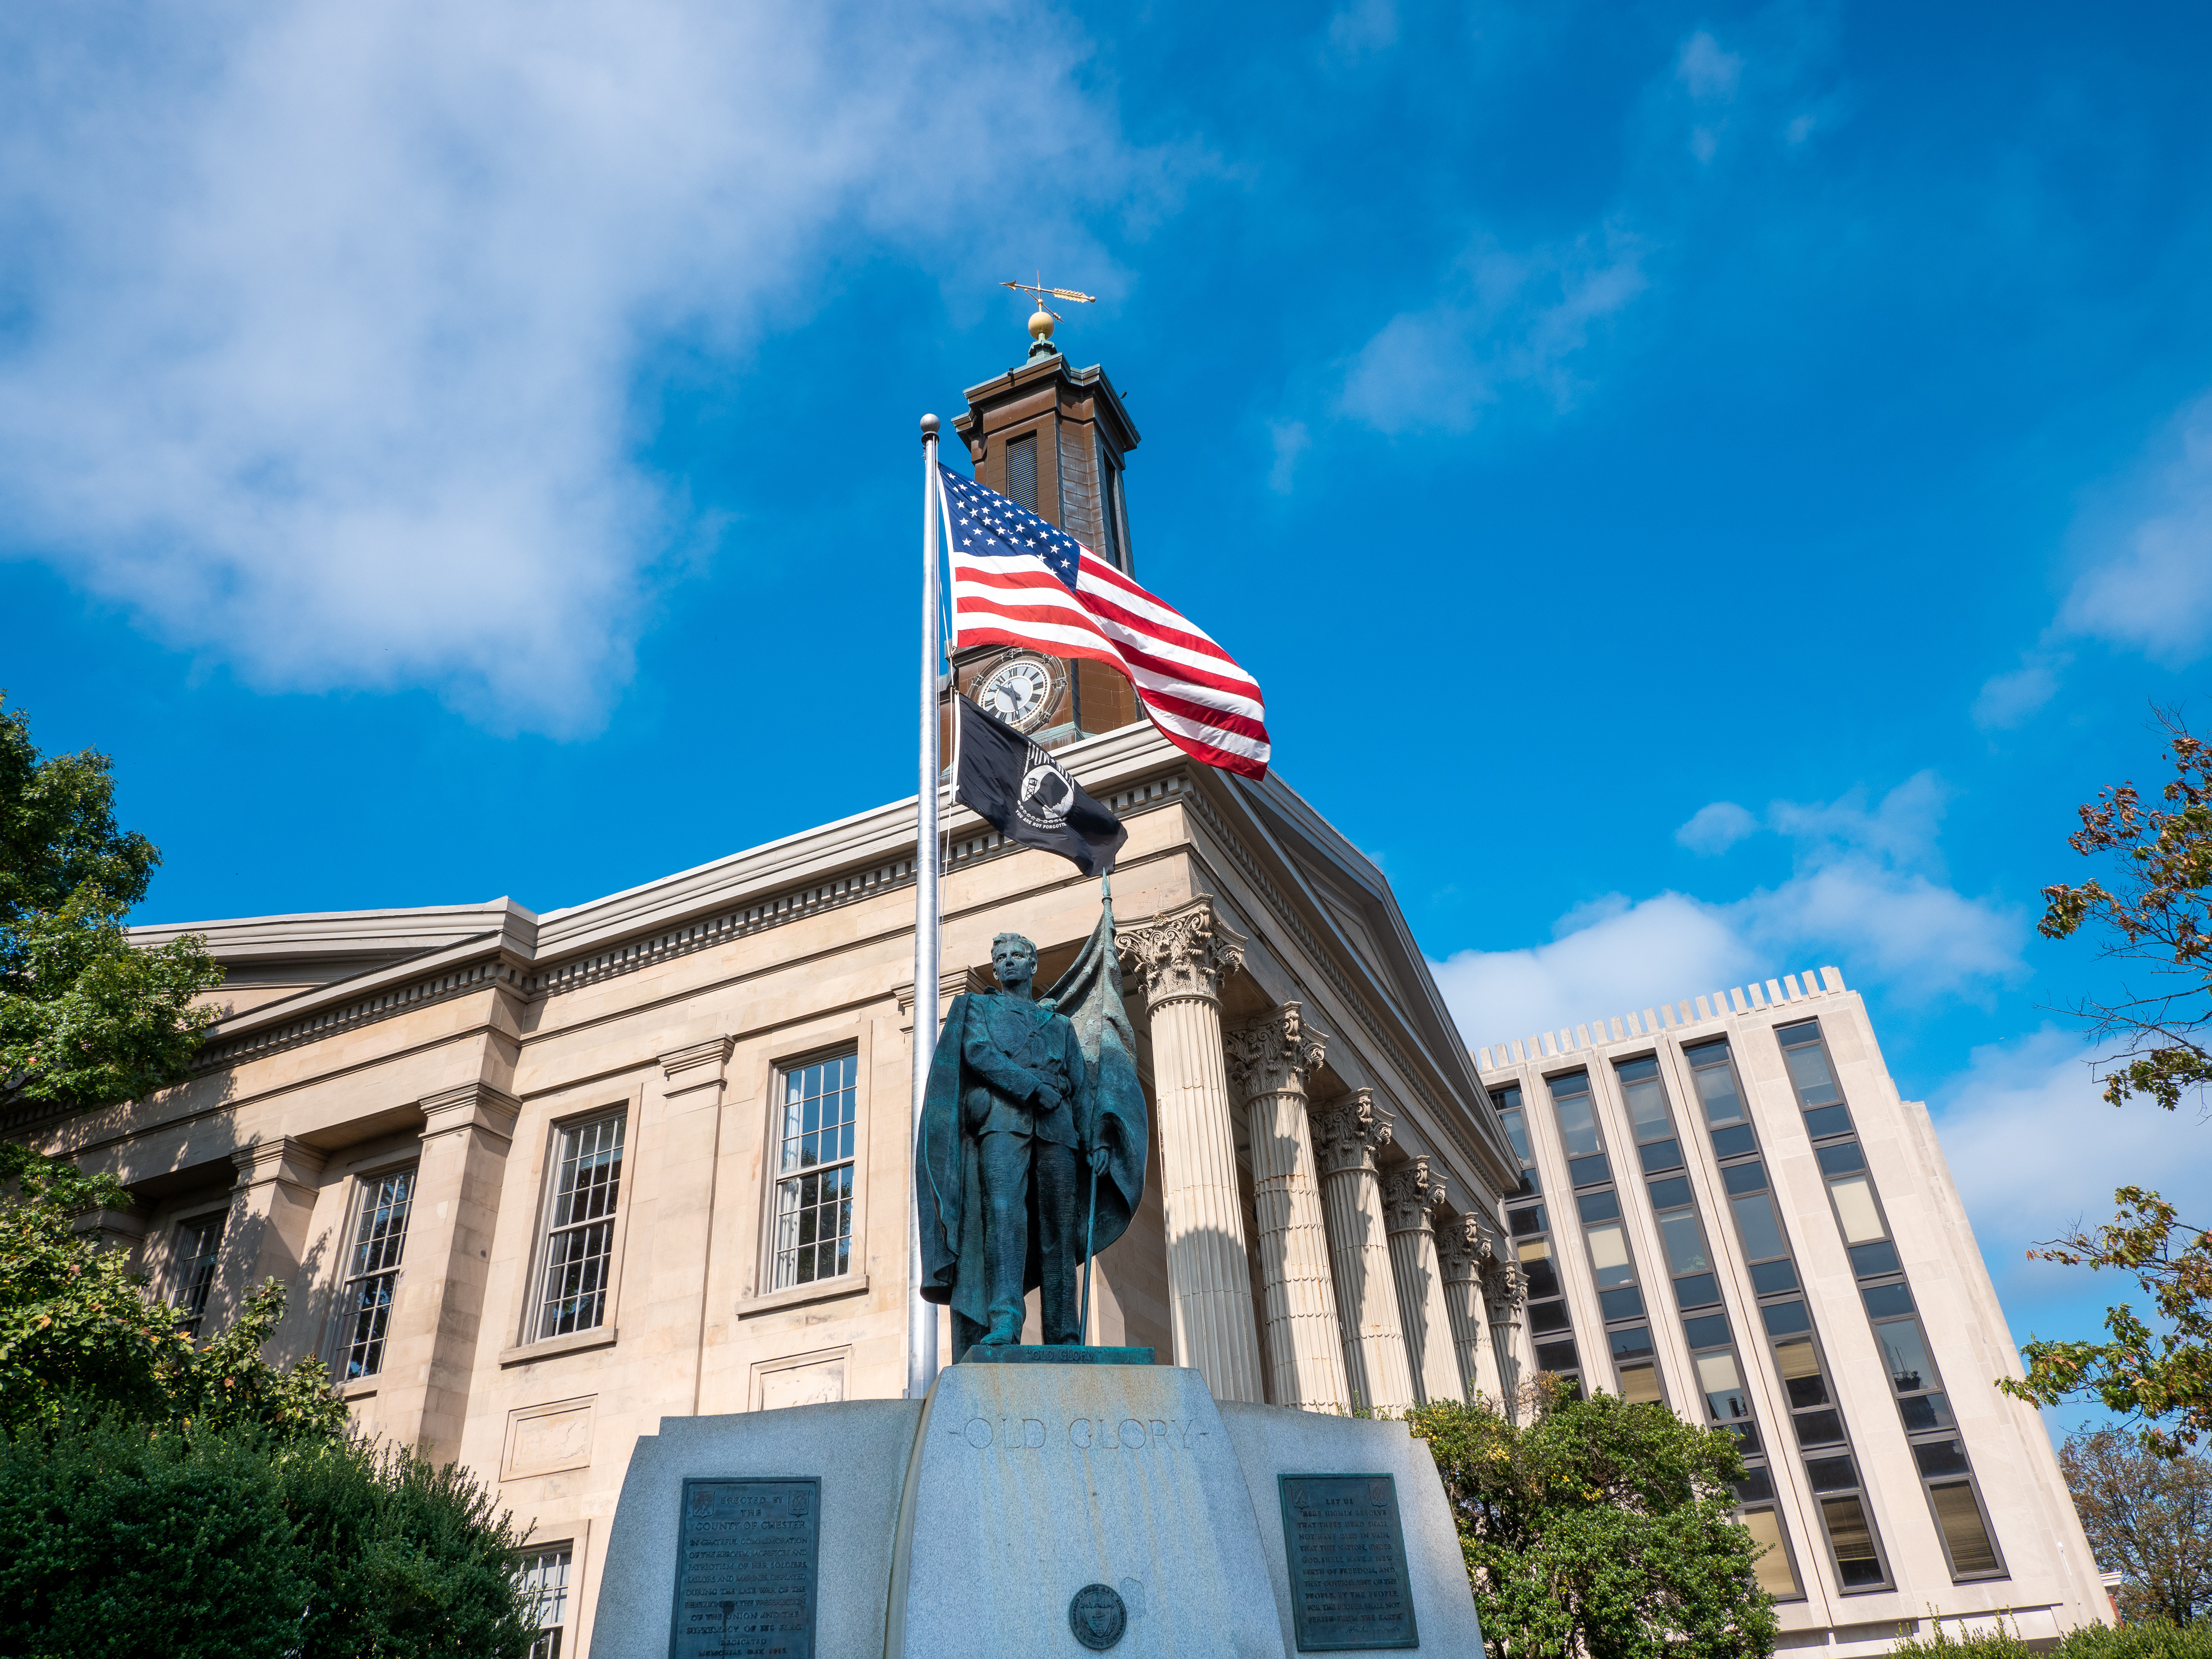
{"x": 2148, "y": 1516}
{"x": 2157, "y": 909}
{"x": 1600, "y": 1530}
{"x": 84, "y": 1016}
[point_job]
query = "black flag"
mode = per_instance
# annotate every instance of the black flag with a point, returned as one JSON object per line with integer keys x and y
{"x": 1026, "y": 795}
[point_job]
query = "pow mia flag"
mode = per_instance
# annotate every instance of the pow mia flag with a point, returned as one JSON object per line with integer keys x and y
{"x": 1026, "y": 795}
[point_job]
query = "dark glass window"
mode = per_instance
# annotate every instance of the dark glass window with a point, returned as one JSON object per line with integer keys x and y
{"x": 1630, "y": 1342}
{"x": 1022, "y": 469}
{"x": 1868, "y": 1260}
{"x": 1734, "y": 1143}
{"x": 1842, "y": 1158}
{"x": 1773, "y": 1278}
{"x": 1715, "y": 1081}
{"x": 1745, "y": 1178}
{"x": 1530, "y": 1220}
{"x": 1626, "y": 1303}
{"x": 1941, "y": 1458}
{"x": 1698, "y": 1290}
{"x": 1823, "y": 1428}
{"x": 1661, "y": 1155}
{"x": 1831, "y": 1473}
{"x": 1670, "y": 1195}
{"x": 1557, "y": 1357}
{"x": 1542, "y": 1275}
{"x": 1924, "y": 1410}
{"x": 1589, "y": 1171}
{"x": 1786, "y": 1319}
{"x": 1707, "y": 1330}
{"x": 1599, "y": 1207}
{"x": 1548, "y": 1316}
{"x": 1906, "y": 1355}
{"x": 1756, "y": 1485}
{"x": 1828, "y": 1121}
{"x": 1886, "y": 1301}
{"x": 1810, "y": 1071}
{"x": 1762, "y": 1232}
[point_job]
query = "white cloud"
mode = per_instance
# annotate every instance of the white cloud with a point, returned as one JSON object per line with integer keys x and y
{"x": 1705, "y": 71}
{"x": 1291, "y": 441}
{"x": 1866, "y": 892}
{"x": 1362, "y": 26}
{"x": 1512, "y": 321}
{"x": 325, "y": 321}
{"x": 2009, "y": 700}
{"x": 1716, "y": 827}
{"x": 2035, "y": 1149}
{"x": 2153, "y": 592}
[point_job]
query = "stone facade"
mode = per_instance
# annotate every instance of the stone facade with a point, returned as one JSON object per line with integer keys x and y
{"x": 522, "y": 1173}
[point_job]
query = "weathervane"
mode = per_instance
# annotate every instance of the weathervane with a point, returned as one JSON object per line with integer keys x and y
{"x": 1041, "y": 319}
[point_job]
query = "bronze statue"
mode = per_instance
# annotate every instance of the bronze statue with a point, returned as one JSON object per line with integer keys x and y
{"x": 1031, "y": 1157}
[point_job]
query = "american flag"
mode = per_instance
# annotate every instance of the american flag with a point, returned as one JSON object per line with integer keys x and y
{"x": 1019, "y": 580}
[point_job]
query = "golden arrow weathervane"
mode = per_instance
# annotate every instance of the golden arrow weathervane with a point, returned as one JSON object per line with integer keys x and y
{"x": 1041, "y": 319}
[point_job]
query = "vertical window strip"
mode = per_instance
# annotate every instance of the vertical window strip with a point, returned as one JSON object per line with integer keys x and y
{"x": 1021, "y": 471}
{"x": 1817, "y": 1422}
{"x": 1551, "y": 1330}
{"x": 579, "y": 1237}
{"x": 814, "y": 1169}
{"x": 1605, "y": 1235}
{"x": 1939, "y": 1450}
{"x": 199, "y": 1245}
{"x": 544, "y": 1575}
{"x": 373, "y": 1272}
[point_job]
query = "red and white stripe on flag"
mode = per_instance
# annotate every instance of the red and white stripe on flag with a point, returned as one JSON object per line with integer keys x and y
{"x": 1002, "y": 593}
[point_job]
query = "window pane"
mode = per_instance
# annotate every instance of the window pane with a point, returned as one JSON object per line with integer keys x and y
{"x": 1809, "y": 1070}
{"x": 1706, "y": 1330}
{"x": 1842, "y": 1158}
{"x": 1852, "y": 1539}
{"x": 1762, "y": 1233}
{"x": 1610, "y": 1255}
{"x": 1820, "y": 1428}
{"x": 199, "y": 1246}
{"x": 373, "y": 1276}
{"x": 1965, "y": 1533}
{"x": 1661, "y": 1155}
{"x": 1639, "y": 1384}
{"x": 1745, "y": 1178}
{"x": 1868, "y": 1259}
{"x": 1734, "y": 1142}
{"x": 591, "y": 1172}
{"x": 1647, "y": 1106}
{"x": 1621, "y": 1304}
{"x": 1886, "y": 1301}
{"x": 1686, "y": 1244}
{"x": 1776, "y": 1576}
{"x": 1906, "y": 1355}
{"x": 1634, "y": 1342}
{"x": 1670, "y": 1195}
{"x": 1772, "y": 1278}
{"x": 1855, "y": 1206}
{"x": 1786, "y": 1319}
{"x": 1598, "y": 1206}
{"x": 1557, "y": 1357}
{"x": 1800, "y": 1365}
{"x": 1698, "y": 1290}
{"x": 1516, "y": 1131}
{"x": 1828, "y": 1121}
{"x": 544, "y": 1576}
{"x": 1530, "y": 1220}
{"x": 1831, "y": 1473}
{"x": 1589, "y": 1171}
{"x": 1942, "y": 1457}
{"x": 381, "y": 1235}
{"x": 1925, "y": 1411}
{"x": 1757, "y": 1484}
{"x": 1723, "y": 1388}
{"x": 1547, "y": 1316}
{"x": 1577, "y": 1127}
{"x": 1716, "y": 1088}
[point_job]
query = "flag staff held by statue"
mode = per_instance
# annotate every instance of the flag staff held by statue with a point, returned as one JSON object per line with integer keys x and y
{"x": 922, "y": 1317}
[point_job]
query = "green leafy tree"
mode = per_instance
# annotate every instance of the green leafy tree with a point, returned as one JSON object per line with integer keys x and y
{"x": 85, "y": 1018}
{"x": 2148, "y": 1516}
{"x": 1600, "y": 1529}
{"x": 2156, "y": 909}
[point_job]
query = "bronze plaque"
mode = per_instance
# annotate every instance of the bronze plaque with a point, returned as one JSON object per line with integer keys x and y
{"x": 747, "y": 1555}
{"x": 1349, "y": 1587}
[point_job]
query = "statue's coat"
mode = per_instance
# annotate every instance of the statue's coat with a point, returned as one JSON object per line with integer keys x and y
{"x": 948, "y": 1185}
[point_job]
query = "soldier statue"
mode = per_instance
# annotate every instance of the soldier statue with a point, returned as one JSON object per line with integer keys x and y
{"x": 1030, "y": 1154}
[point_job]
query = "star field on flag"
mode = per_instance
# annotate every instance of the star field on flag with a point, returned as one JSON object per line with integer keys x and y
{"x": 1018, "y": 579}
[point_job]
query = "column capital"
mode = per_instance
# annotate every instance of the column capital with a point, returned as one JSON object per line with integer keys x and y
{"x": 1349, "y": 1132}
{"x": 283, "y": 1158}
{"x": 1409, "y": 1193}
{"x": 1504, "y": 1290}
{"x": 1461, "y": 1248}
{"x": 1275, "y": 1053}
{"x": 1182, "y": 953}
{"x": 471, "y": 1106}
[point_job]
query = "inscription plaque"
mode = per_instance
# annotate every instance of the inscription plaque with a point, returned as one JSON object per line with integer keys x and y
{"x": 1349, "y": 1586}
{"x": 747, "y": 1552}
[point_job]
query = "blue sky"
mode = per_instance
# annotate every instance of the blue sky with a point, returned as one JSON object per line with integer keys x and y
{"x": 1706, "y": 489}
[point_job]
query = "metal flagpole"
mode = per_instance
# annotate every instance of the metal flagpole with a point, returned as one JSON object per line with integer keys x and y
{"x": 921, "y": 1316}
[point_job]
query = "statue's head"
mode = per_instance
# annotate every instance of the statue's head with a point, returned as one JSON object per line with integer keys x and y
{"x": 1014, "y": 959}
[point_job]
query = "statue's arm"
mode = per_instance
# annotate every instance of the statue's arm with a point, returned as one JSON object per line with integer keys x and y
{"x": 987, "y": 1061}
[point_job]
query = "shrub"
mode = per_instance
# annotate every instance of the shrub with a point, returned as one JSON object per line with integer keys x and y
{"x": 213, "y": 1543}
{"x": 2153, "y": 1640}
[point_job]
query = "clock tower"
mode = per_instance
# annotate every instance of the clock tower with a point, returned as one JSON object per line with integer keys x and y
{"x": 1053, "y": 439}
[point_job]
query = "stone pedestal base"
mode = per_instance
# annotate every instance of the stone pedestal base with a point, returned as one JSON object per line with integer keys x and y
{"x": 1029, "y": 1510}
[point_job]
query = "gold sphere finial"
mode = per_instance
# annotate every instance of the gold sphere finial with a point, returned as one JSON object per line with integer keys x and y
{"x": 1041, "y": 319}
{"x": 1041, "y": 322}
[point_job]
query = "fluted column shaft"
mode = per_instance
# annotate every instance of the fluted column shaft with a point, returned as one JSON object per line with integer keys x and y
{"x": 1183, "y": 955}
{"x": 1408, "y": 1195}
{"x": 1459, "y": 1257}
{"x": 1503, "y": 1291}
{"x": 1346, "y": 1136}
{"x": 1270, "y": 1060}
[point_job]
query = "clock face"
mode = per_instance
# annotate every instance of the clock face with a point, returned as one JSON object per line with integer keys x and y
{"x": 1018, "y": 692}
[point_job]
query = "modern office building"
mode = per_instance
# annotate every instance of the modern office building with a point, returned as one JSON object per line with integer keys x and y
{"x": 1725, "y": 1206}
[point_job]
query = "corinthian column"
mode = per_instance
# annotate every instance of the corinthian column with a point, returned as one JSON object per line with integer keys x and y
{"x": 1504, "y": 1292}
{"x": 1408, "y": 1195}
{"x": 1270, "y": 1060}
{"x": 1183, "y": 955}
{"x": 1459, "y": 1256}
{"x": 1346, "y": 1136}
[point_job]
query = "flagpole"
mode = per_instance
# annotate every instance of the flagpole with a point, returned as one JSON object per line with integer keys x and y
{"x": 921, "y": 1316}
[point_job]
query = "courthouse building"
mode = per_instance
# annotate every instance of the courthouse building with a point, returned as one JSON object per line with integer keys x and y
{"x": 534, "y": 1182}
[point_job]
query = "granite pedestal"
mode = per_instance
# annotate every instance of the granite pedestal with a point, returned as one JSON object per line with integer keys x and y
{"x": 1034, "y": 1510}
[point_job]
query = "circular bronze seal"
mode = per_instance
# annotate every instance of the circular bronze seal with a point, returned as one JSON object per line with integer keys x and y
{"x": 1097, "y": 1615}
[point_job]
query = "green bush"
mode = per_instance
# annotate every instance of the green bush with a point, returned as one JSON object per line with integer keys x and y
{"x": 218, "y": 1544}
{"x": 2145, "y": 1641}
